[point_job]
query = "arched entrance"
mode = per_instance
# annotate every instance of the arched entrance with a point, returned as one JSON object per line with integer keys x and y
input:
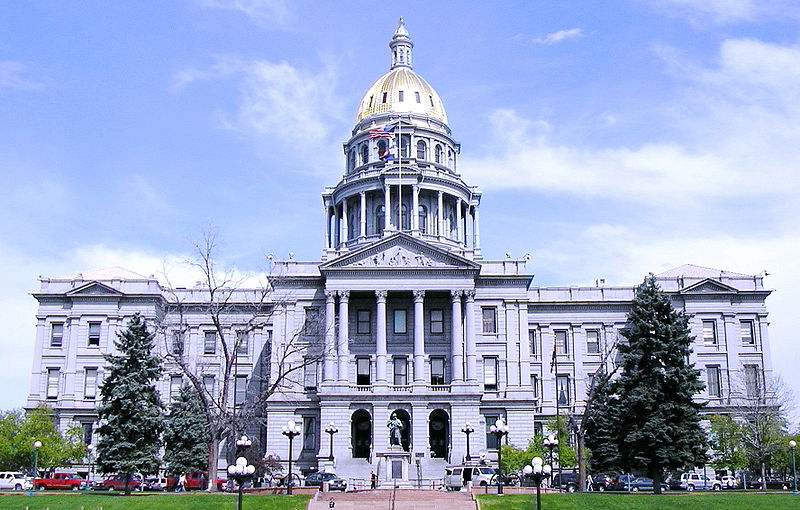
{"x": 361, "y": 434}
{"x": 405, "y": 432}
{"x": 439, "y": 433}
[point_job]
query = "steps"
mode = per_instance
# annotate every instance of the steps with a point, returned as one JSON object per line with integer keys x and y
{"x": 402, "y": 499}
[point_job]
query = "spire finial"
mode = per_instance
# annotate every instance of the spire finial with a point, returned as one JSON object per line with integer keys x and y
{"x": 401, "y": 45}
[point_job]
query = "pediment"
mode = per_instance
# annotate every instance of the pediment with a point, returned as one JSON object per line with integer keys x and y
{"x": 709, "y": 286}
{"x": 400, "y": 251}
{"x": 94, "y": 289}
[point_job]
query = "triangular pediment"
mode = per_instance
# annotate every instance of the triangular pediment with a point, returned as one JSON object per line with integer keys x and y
{"x": 94, "y": 289}
{"x": 709, "y": 286}
{"x": 400, "y": 251}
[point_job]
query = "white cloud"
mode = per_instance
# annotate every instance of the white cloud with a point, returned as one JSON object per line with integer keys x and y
{"x": 558, "y": 36}
{"x": 17, "y": 75}
{"x": 702, "y": 12}
{"x": 260, "y": 11}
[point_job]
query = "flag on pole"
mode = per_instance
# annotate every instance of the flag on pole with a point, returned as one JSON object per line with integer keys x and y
{"x": 387, "y": 152}
{"x": 554, "y": 359}
{"x": 382, "y": 132}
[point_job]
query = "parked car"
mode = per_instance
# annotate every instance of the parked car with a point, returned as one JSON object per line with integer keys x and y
{"x": 196, "y": 480}
{"x": 602, "y": 483}
{"x": 622, "y": 482}
{"x": 730, "y": 482}
{"x": 457, "y": 477}
{"x": 642, "y": 483}
{"x": 565, "y": 481}
{"x": 699, "y": 481}
{"x": 773, "y": 483}
{"x": 63, "y": 481}
{"x": 155, "y": 483}
{"x": 117, "y": 483}
{"x": 13, "y": 480}
{"x": 334, "y": 482}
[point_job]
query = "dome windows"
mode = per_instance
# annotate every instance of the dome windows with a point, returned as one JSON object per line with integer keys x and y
{"x": 385, "y": 97}
{"x": 405, "y": 146}
{"x": 437, "y": 154}
{"x": 400, "y": 96}
{"x": 364, "y": 153}
{"x": 422, "y": 150}
{"x": 416, "y": 95}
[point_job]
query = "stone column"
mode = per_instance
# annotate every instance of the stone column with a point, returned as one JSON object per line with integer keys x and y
{"x": 415, "y": 207}
{"x": 345, "y": 233}
{"x": 513, "y": 344}
{"x": 419, "y": 336}
{"x": 363, "y": 218}
{"x": 327, "y": 227}
{"x": 460, "y": 229}
{"x": 329, "y": 367}
{"x": 470, "y": 336}
{"x": 380, "y": 336}
{"x": 457, "y": 342}
{"x": 525, "y": 347}
{"x": 477, "y": 229}
{"x": 440, "y": 215}
{"x": 344, "y": 340}
{"x": 387, "y": 207}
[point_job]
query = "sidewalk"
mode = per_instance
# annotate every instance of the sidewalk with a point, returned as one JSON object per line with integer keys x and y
{"x": 404, "y": 499}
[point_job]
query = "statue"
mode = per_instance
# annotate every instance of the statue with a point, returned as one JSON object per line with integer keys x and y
{"x": 395, "y": 426}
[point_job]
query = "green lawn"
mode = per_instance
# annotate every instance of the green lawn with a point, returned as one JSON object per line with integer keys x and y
{"x": 684, "y": 501}
{"x": 195, "y": 501}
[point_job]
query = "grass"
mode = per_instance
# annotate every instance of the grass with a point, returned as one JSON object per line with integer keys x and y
{"x": 194, "y": 501}
{"x": 684, "y": 501}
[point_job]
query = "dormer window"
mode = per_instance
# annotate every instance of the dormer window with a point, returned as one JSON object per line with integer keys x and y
{"x": 400, "y": 96}
{"x": 431, "y": 98}
{"x": 370, "y": 101}
{"x": 416, "y": 95}
{"x": 385, "y": 94}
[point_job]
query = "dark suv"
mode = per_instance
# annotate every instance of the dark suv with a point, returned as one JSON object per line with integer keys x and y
{"x": 334, "y": 482}
{"x": 566, "y": 481}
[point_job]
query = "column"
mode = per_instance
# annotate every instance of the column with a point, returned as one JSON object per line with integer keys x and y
{"x": 477, "y": 229}
{"x": 363, "y": 224}
{"x": 419, "y": 336}
{"x": 344, "y": 337}
{"x": 327, "y": 227}
{"x": 380, "y": 336}
{"x": 345, "y": 234}
{"x": 460, "y": 229}
{"x": 470, "y": 336}
{"x": 457, "y": 342}
{"x": 337, "y": 229}
{"x": 415, "y": 209}
{"x": 513, "y": 344}
{"x": 525, "y": 352}
{"x": 440, "y": 215}
{"x": 387, "y": 203}
{"x": 329, "y": 366}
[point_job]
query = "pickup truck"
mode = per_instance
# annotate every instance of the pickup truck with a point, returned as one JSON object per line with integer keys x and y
{"x": 196, "y": 480}
{"x": 117, "y": 483}
{"x": 61, "y": 481}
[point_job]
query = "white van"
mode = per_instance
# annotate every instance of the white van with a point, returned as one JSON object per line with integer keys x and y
{"x": 13, "y": 480}
{"x": 457, "y": 477}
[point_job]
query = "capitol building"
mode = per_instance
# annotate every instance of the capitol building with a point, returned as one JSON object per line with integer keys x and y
{"x": 402, "y": 315}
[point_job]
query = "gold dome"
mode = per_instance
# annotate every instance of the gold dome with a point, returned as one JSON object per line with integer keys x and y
{"x": 401, "y": 90}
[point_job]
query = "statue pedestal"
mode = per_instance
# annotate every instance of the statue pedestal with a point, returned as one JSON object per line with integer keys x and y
{"x": 393, "y": 468}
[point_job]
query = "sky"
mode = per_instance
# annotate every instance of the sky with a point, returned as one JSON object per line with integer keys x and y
{"x": 610, "y": 139}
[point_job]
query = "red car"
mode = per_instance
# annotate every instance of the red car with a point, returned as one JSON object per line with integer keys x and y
{"x": 62, "y": 481}
{"x": 117, "y": 483}
{"x": 196, "y": 480}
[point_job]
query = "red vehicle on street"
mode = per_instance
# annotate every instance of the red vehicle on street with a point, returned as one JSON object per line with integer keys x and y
{"x": 196, "y": 480}
{"x": 60, "y": 481}
{"x": 117, "y": 483}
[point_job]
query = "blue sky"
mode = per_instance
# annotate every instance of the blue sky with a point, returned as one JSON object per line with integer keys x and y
{"x": 610, "y": 139}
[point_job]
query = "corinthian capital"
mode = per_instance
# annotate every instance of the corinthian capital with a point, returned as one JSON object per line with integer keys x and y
{"x": 419, "y": 295}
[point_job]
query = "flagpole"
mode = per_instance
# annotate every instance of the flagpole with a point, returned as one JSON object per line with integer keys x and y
{"x": 400, "y": 174}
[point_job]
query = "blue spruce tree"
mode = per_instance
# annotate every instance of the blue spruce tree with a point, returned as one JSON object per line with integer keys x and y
{"x": 186, "y": 434}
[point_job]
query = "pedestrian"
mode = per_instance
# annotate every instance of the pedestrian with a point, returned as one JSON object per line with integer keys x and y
{"x": 589, "y": 483}
{"x": 181, "y": 483}
{"x": 373, "y": 480}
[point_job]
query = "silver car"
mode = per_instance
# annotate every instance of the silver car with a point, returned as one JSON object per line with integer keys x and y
{"x": 13, "y": 480}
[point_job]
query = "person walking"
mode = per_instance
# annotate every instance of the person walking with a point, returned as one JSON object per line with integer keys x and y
{"x": 373, "y": 480}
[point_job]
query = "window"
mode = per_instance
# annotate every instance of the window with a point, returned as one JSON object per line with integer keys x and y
{"x": 710, "y": 332}
{"x": 593, "y": 342}
{"x": 240, "y": 390}
{"x": 400, "y": 371}
{"x": 351, "y": 161}
{"x": 450, "y": 159}
{"x": 491, "y": 439}
{"x": 561, "y": 347}
{"x": 209, "y": 384}
{"x": 399, "y": 325}
{"x": 422, "y": 150}
{"x": 437, "y": 370}
{"x": 562, "y": 390}
{"x": 489, "y": 320}
{"x": 90, "y": 383}
{"x": 405, "y": 146}
{"x": 364, "y": 154}
{"x": 210, "y": 342}
{"x": 713, "y": 384}
{"x": 400, "y": 96}
{"x": 431, "y": 98}
{"x": 370, "y": 101}
{"x": 87, "y": 429}
{"x": 364, "y": 322}
{"x": 309, "y": 433}
{"x": 380, "y": 218}
{"x": 747, "y": 332}
{"x": 177, "y": 342}
{"x": 52, "y": 382}
{"x": 57, "y": 335}
{"x": 533, "y": 340}
{"x": 311, "y": 324}
{"x": 535, "y": 385}
{"x": 385, "y": 96}
{"x": 94, "y": 334}
{"x": 438, "y": 154}
{"x": 490, "y": 373}
{"x": 423, "y": 219}
{"x": 363, "y": 372}
{"x": 752, "y": 381}
{"x": 589, "y": 383}
{"x": 175, "y": 383}
{"x": 437, "y": 321}
{"x": 242, "y": 343}
{"x": 416, "y": 96}
{"x": 310, "y": 374}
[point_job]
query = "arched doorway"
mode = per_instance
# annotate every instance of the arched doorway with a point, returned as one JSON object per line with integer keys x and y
{"x": 361, "y": 434}
{"x": 405, "y": 432}
{"x": 439, "y": 433}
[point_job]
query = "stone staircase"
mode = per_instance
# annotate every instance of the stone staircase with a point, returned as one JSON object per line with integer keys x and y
{"x": 401, "y": 499}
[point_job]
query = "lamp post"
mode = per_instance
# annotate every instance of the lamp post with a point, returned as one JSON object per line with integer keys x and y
{"x": 551, "y": 443}
{"x": 242, "y": 472}
{"x": 467, "y": 429}
{"x": 290, "y": 430}
{"x": 792, "y": 446}
{"x": 34, "y": 457}
{"x": 331, "y": 429}
{"x": 90, "y": 458}
{"x": 538, "y": 472}
{"x": 500, "y": 430}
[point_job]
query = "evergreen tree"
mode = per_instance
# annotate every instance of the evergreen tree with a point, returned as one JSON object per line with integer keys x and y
{"x": 650, "y": 416}
{"x": 130, "y": 409}
{"x": 186, "y": 434}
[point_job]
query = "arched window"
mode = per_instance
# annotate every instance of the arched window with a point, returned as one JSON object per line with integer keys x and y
{"x": 405, "y": 223}
{"x": 361, "y": 434}
{"x": 422, "y": 150}
{"x": 439, "y": 433}
{"x": 364, "y": 153}
{"x": 405, "y": 146}
{"x": 423, "y": 219}
{"x": 449, "y": 158}
{"x": 452, "y": 225}
{"x": 380, "y": 217}
{"x": 352, "y": 163}
{"x": 438, "y": 154}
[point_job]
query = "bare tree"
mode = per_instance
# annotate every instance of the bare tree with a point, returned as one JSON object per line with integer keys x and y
{"x": 236, "y": 312}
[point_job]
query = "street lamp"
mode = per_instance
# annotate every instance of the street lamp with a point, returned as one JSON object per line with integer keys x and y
{"x": 331, "y": 429}
{"x": 538, "y": 472}
{"x": 34, "y": 457}
{"x": 242, "y": 472}
{"x": 290, "y": 430}
{"x": 792, "y": 446}
{"x": 500, "y": 430}
{"x": 90, "y": 458}
{"x": 551, "y": 443}
{"x": 468, "y": 429}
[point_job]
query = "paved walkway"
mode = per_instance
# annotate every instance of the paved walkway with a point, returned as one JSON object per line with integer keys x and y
{"x": 388, "y": 499}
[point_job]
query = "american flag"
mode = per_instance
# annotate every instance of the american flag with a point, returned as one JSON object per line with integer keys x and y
{"x": 381, "y": 132}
